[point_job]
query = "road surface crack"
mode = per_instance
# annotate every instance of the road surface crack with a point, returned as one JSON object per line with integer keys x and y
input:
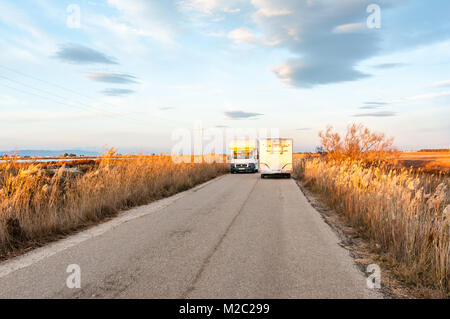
{"x": 217, "y": 245}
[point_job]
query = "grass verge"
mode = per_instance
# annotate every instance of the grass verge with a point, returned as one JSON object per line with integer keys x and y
{"x": 39, "y": 204}
{"x": 405, "y": 214}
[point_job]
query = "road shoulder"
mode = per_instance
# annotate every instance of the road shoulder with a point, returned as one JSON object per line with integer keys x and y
{"x": 360, "y": 249}
{"x": 24, "y": 258}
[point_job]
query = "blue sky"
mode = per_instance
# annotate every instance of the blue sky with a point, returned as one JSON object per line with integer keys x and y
{"x": 133, "y": 71}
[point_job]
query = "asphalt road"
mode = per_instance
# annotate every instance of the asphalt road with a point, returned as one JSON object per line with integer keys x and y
{"x": 237, "y": 236}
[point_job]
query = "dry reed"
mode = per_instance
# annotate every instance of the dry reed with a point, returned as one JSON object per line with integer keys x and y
{"x": 404, "y": 212}
{"x": 37, "y": 202}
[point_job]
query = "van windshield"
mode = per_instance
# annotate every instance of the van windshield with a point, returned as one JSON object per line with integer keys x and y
{"x": 242, "y": 154}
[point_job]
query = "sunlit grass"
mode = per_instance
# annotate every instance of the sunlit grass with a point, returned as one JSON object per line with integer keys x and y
{"x": 37, "y": 201}
{"x": 405, "y": 212}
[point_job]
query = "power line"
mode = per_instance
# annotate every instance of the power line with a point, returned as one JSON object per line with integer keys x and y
{"x": 88, "y": 107}
{"x": 56, "y": 85}
{"x": 59, "y": 102}
{"x": 47, "y": 82}
{"x": 72, "y": 91}
{"x": 42, "y": 97}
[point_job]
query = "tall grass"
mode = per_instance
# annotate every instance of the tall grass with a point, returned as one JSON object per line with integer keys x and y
{"x": 37, "y": 202}
{"x": 404, "y": 212}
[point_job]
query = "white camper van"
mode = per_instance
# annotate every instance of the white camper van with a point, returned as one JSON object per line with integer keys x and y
{"x": 275, "y": 156}
{"x": 244, "y": 156}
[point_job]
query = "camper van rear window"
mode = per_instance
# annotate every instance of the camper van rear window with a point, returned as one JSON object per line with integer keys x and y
{"x": 277, "y": 147}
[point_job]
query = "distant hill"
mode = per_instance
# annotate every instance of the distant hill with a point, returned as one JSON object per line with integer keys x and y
{"x": 49, "y": 153}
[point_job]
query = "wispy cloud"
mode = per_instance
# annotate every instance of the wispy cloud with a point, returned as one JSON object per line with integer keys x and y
{"x": 165, "y": 108}
{"x": 427, "y": 96}
{"x": 23, "y": 37}
{"x": 384, "y": 66}
{"x": 209, "y": 7}
{"x": 350, "y": 28}
{"x": 237, "y": 115}
{"x": 376, "y": 114}
{"x": 242, "y": 35}
{"x": 80, "y": 54}
{"x": 369, "y": 107}
{"x": 117, "y": 92}
{"x": 227, "y": 10}
{"x": 441, "y": 84}
{"x": 245, "y": 35}
{"x": 117, "y": 78}
{"x": 154, "y": 20}
{"x": 304, "y": 129}
{"x": 273, "y": 12}
{"x": 373, "y": 105}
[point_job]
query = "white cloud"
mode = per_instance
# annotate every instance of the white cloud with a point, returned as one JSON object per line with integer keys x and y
{"x": 205, "y": 6}
{"x": 308, "y": 29}
{"x": 321, "y": 34}
{"x": 273, "y": 12}
{"x": 421, "y": 97}
{"x": 245, "y": 35}
{"x": 232, "y": 10}
{"x": 441, "y": 84}
{"x": 427, "y": 96}
{"x": 20, "y": 52}
{"x": 284, "y": 72}
{"x": 150, "y": 19}
{"x": 271, "y": 43}
{"x": 350, "y": 28}
{"x": 209, "y": 7}
{"x": 14, "y": 17}
{"x": 28, "y": 40}
{"x": 117, "y": 35}
{"x": 242, "y": 35}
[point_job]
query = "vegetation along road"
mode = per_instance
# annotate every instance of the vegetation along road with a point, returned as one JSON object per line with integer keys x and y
{"x": 237, "y": 236}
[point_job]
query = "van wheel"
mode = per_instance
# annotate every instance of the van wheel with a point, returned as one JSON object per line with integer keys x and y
{"x": 263, "y": 176}
{"x": 287, "y": 175}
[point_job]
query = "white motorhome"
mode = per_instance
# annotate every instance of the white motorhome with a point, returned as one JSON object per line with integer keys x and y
{"x": 275, "y": 156}
{"x": 244, "y": 156}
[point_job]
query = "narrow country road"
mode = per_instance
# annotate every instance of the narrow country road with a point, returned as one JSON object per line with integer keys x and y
{"x": 237, "y": 236}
